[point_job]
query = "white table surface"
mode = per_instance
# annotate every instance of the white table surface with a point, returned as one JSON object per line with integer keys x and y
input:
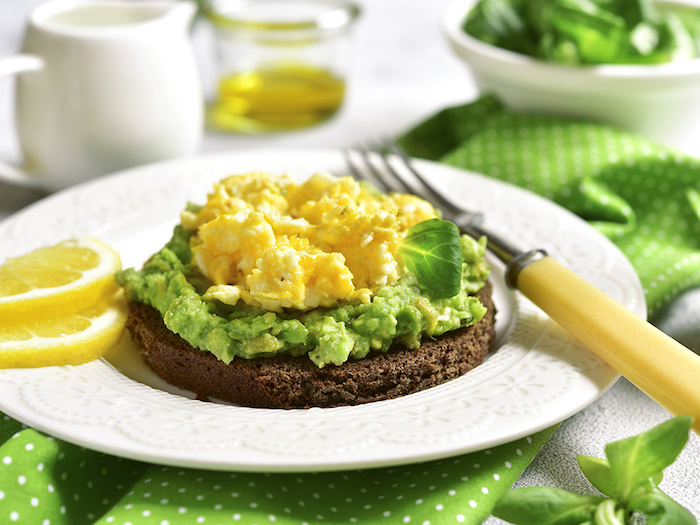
{"x": 403, "y": 71}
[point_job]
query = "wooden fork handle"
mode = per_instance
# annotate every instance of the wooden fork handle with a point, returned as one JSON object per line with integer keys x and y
{"x": 665, "y": 370}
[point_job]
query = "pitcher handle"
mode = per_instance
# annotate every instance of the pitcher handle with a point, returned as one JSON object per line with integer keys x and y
{"x": 10, "y": 66}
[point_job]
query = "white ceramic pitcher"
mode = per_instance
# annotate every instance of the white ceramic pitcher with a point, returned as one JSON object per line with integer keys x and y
{"x": 103, "y": 85}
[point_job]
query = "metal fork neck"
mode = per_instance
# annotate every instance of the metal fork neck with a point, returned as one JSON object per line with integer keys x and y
{"x": 502, "y": 249}
{"x": 514, "y": 259}
{"x": 467, "y": 222}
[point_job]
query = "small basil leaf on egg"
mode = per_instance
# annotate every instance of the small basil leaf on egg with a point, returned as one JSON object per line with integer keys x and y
{"x": 432, "y": 250}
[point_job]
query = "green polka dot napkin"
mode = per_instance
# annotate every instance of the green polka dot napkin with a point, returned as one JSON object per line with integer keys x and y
{"x": 45, "y": 481}
{"x": 644, "y": 197}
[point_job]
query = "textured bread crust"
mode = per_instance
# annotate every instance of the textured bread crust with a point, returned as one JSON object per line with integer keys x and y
{"x": 295, "y": 382}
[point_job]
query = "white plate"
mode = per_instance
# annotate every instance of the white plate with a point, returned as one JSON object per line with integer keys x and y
{"x": 537, "y": 377}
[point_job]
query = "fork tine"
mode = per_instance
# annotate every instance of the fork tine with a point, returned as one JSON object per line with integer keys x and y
{"x": 356, "y": 171}
{"x": 397, "y": 177}
{"x": 427, "y": 188}
{"x": 467, "y": 221}
{"x": 366, "y": 171}
{"x": 388, "y": 178}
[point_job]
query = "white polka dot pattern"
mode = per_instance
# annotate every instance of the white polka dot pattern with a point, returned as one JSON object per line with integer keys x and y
{"x": 51, "y": 482}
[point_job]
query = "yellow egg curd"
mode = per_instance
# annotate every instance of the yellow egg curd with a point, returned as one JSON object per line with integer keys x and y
{"x": 270, "y": 241}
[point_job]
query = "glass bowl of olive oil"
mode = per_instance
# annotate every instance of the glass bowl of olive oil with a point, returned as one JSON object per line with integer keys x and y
{"x": 282, "y": 64}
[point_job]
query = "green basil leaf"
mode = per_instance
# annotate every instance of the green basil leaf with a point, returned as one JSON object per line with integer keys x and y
{"x": 545, "y": 506}
{"x": 636, "y": 459}
{"x": 598, "y": 472}
{"x": 632, "y": 11}
{"x": 599, "y": 35}
{"x": 659, "y": 508}
{"x": 432, "y": 250}
{"x": 499, "y": 23}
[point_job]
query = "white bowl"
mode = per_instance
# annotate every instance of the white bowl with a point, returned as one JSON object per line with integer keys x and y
{"x": 660, "y": 101}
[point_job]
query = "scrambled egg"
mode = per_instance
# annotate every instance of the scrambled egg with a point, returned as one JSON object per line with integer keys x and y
{"x": 275, "y": 243}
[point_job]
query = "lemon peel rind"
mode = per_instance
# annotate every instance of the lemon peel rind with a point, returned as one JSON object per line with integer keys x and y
{"x": 41, "y": 304}
{"x": 104, "y": 332}
{"x": 57, "y": 305}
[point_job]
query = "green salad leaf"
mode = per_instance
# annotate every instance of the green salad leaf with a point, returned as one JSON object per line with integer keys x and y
{"x": 659, "y": 509}
{"x": 598, "y": 472}
{"x": 588, "y": 31}
{"x": 633, "y": 461}
{"x": 432, "y": 250}
{"x": 500, "y": 22}
{"x": 546, "y": 506}
{"x": 629, "y": 477}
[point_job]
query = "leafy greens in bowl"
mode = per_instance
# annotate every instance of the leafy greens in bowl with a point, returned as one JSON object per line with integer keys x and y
{"x": 660, "y": 100}
{"x": 588, "y": 31}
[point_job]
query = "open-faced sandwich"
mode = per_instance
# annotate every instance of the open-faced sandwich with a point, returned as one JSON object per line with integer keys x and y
{"x": 276, "y": 293}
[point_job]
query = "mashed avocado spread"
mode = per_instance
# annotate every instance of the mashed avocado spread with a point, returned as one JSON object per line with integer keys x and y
{"x": 402, "y": 312}
{"x": 269, "y": 266}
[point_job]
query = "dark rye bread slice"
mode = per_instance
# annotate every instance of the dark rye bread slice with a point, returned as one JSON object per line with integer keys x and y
{"x": 295, "y": 382}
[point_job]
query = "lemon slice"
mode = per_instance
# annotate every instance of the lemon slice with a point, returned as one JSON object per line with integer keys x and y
{"x": 57, "y": 280}
{"x": 67, "y": 340}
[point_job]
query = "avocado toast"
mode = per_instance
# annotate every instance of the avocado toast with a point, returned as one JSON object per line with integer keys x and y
{"x": 280, "y": 294}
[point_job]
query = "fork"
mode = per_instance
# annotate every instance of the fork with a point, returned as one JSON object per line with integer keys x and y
{"x": 665, "y": 370}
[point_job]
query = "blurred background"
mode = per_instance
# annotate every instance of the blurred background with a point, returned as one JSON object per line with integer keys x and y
{"x": 402, "y": 71}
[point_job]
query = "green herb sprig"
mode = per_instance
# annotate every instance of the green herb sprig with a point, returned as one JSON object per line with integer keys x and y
{"x": 432, "y": 250}
{"x": 629, "y": 478}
